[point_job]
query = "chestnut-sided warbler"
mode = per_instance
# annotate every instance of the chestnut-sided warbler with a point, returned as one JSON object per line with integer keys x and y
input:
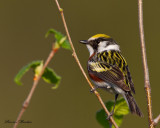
{"x": 109, "y": 70}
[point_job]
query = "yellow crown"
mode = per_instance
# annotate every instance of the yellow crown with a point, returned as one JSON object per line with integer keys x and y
{"x": 100, "y": 35}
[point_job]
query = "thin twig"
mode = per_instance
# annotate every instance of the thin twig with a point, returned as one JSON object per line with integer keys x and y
{"x": 35, "y": 83}
{"x": 145, "y": 65}
{"x": 156, "y": 120}
{"x": 79, "y": 64}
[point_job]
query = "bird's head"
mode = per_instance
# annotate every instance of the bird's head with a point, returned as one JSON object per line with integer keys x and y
{"x": 99, "y": 43}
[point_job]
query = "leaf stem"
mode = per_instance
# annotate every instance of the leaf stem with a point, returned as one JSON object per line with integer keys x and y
{"x": 35, "y": 83}
{"x": 145, "y": 65}
{"x": 79, "y": 64}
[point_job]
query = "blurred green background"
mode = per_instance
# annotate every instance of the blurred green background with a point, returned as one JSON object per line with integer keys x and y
{"x": 23, "y": 24}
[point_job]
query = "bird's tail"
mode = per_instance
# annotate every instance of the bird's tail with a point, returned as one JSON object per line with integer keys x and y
{"x": 132, "y": 104}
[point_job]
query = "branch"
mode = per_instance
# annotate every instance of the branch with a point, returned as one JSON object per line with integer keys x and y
{"x": 156, "y": 120}
{"x": 35, "y": 83}
{"x": 145, "y": 65}
{"x": 82, "y": 70}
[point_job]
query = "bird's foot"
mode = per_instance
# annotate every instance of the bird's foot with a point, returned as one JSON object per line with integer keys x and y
{"x": 93, "y": 89}
{"x": 111, "y": 114}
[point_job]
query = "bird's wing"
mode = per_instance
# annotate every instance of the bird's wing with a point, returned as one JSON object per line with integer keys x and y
{"x": 108, "y": 73}
{"x": 130, "y": 80}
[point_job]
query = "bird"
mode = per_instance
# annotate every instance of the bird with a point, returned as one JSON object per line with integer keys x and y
{"x": 108, "y": 70}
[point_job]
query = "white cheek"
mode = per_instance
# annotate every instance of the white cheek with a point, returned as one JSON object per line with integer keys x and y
{"x": 113, "y": 47}
{"x": 102, "y": 44}
{"x": 90, "y": 49}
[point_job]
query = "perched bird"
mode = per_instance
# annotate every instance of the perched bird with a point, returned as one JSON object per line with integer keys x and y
{"x": 109, "y": 70}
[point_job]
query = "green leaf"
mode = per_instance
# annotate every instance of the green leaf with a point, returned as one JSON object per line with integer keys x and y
{"x": 60, "y": 39}
{"x": 121, "y": 107}
{"x": 120, "y": 110}
{"x": 66, "y": 45}
{"x": 51, "y": 77}
{"x": 101, "y": 118}
{"x": 118, "y": 120}
{"x": 26, "y": 68}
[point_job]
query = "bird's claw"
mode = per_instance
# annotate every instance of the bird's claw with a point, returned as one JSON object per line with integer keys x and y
{"x": 93, "y": 89}
{"x": 111, "y": 114}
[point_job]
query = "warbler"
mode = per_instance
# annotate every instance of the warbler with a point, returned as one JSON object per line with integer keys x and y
{"x": 109, "y": 70}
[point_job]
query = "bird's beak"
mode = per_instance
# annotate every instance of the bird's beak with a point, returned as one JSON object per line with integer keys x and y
{"x": 84, "y": 41}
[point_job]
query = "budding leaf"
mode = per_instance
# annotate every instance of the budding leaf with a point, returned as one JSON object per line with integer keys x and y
{"x": 38, "y": 69}
{"x": 51, "y": 77}
{"x": 24, "y": 70}
{"x": 120, "y": 110}
{"x": 60, "y": 39}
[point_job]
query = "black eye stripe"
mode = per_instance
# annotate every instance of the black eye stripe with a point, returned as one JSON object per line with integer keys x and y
{"x": 109, "y": 41}
{"x": 94, "y": 43}
{"x": 100, "y": 39}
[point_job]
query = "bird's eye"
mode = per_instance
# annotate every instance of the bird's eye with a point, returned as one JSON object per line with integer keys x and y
{"x": 98, "y": 41}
